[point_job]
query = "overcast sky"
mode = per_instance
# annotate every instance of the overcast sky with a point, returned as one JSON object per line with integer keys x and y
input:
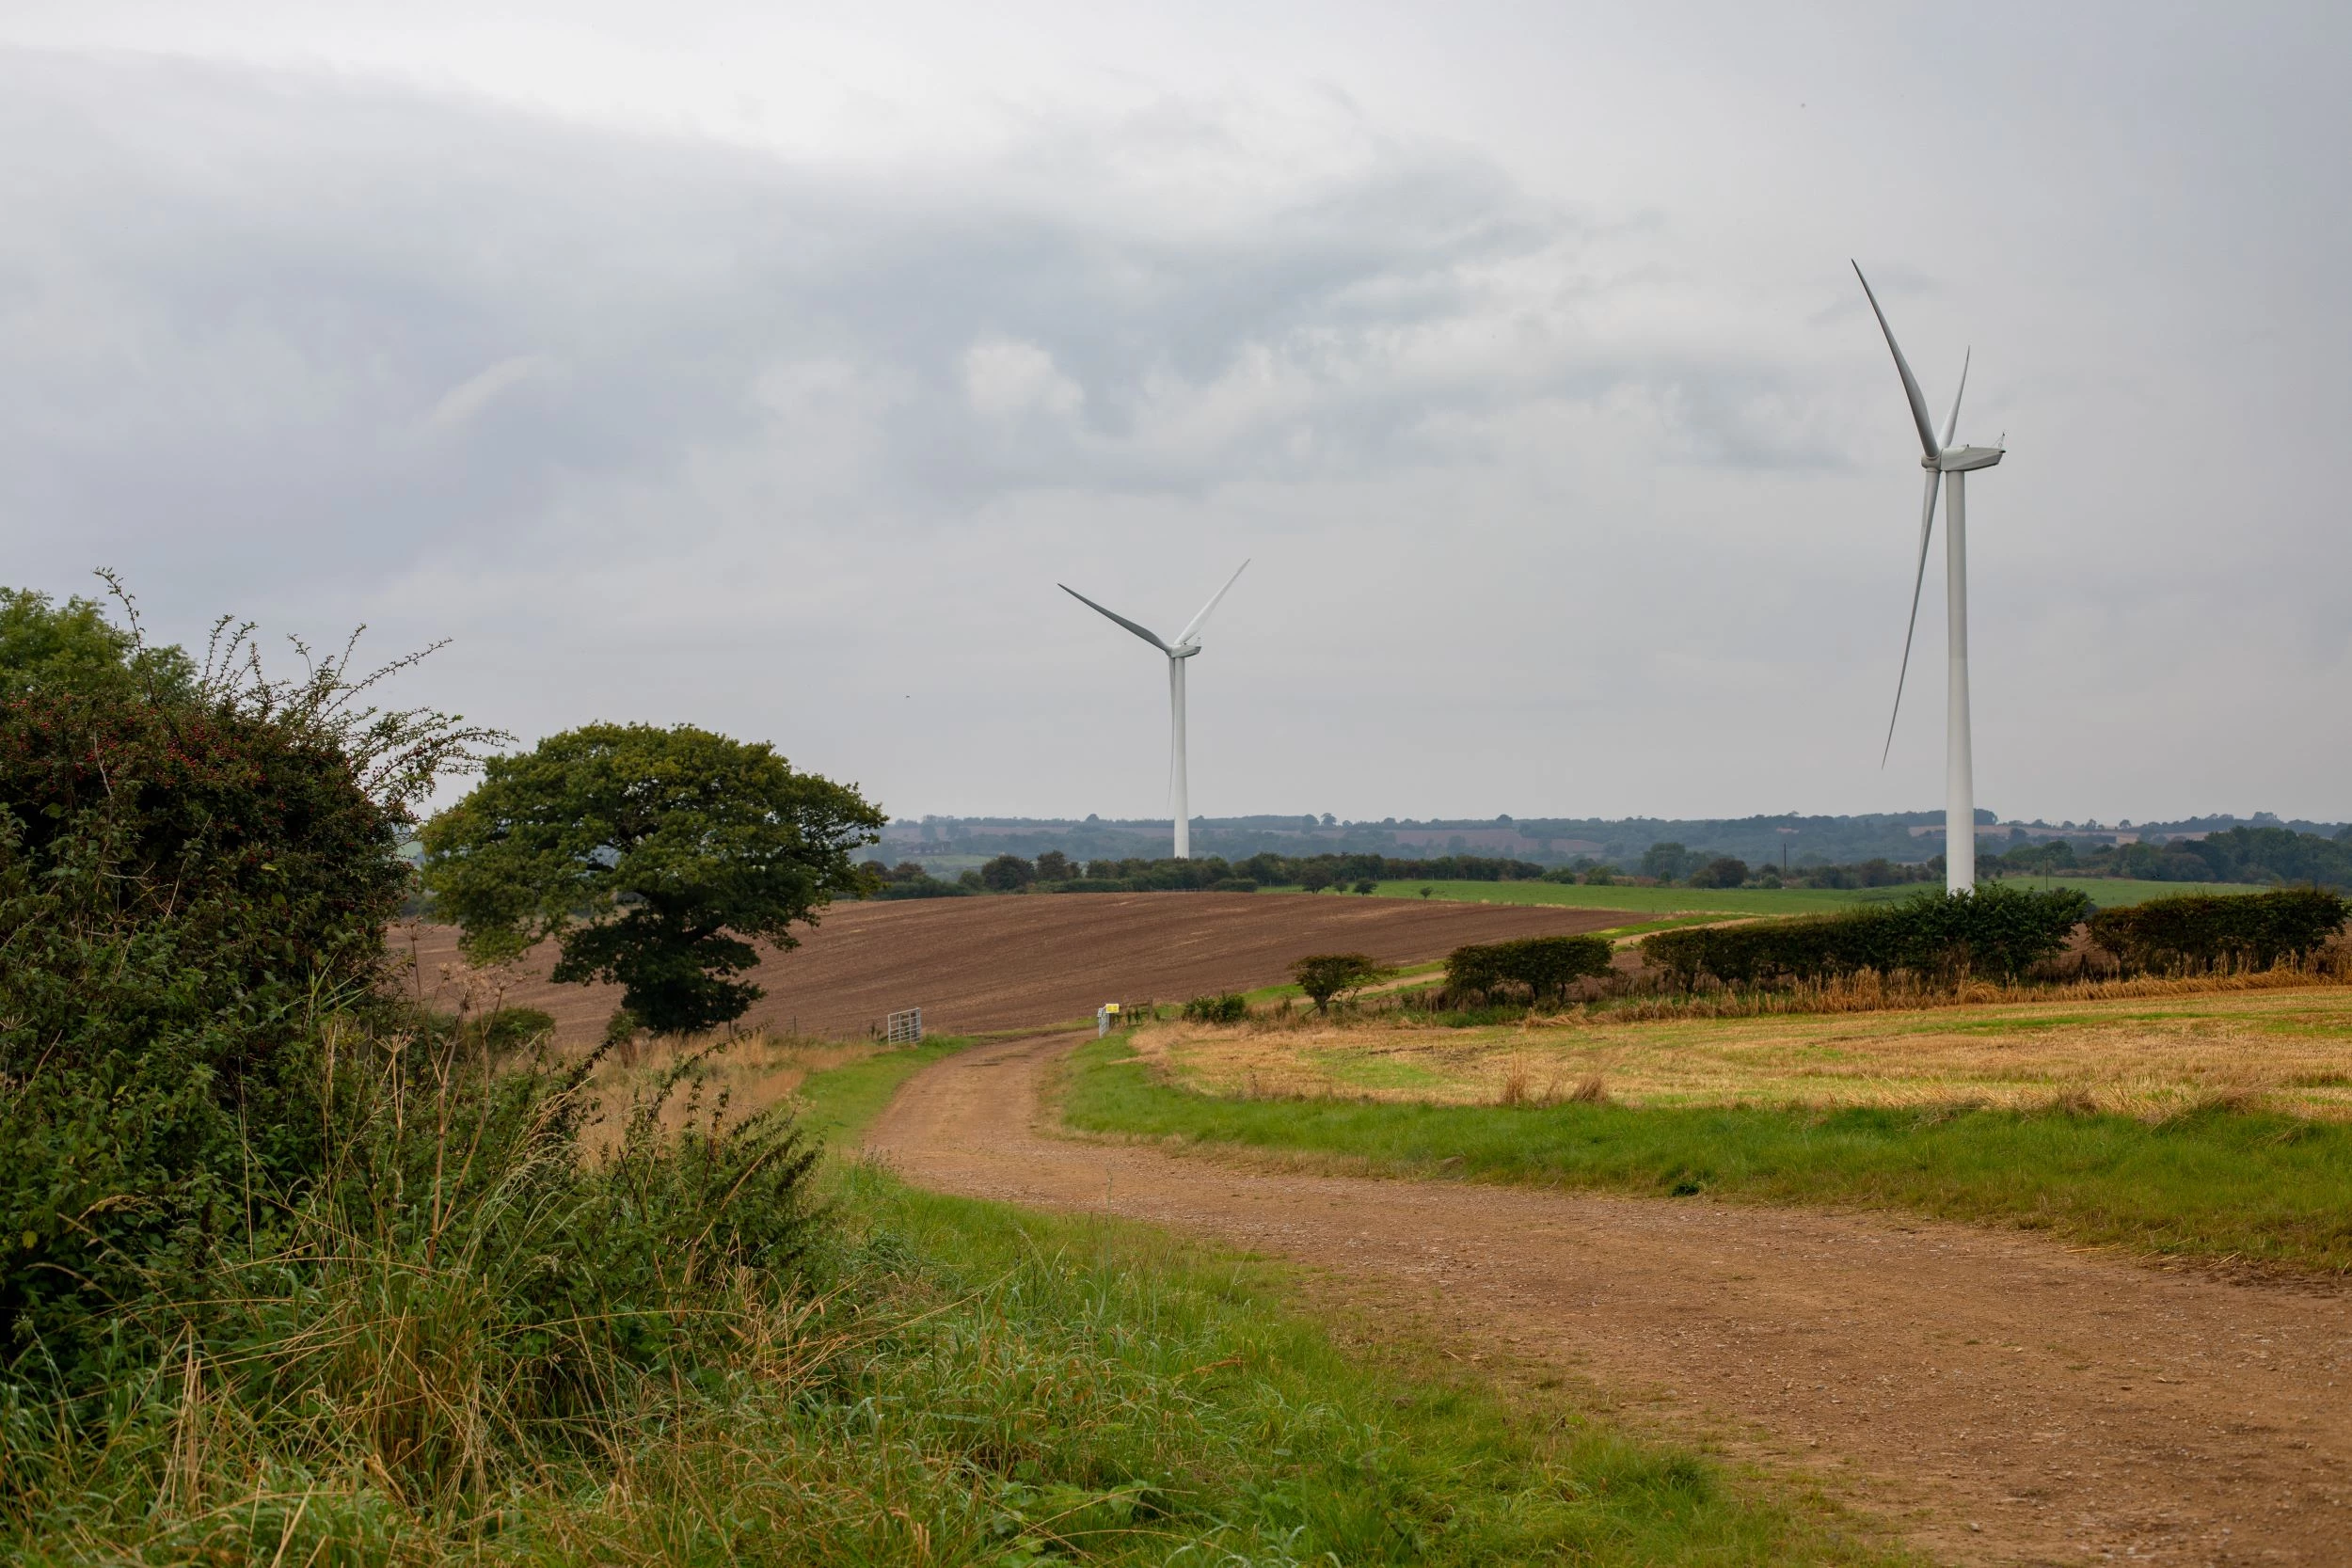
{"x": 713, "y": 363}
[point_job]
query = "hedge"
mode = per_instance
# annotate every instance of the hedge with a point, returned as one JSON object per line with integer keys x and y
{"x": 1547, "y": 966}
{"x": 2200, "y": 931}
{"x": 1993, "y": 930}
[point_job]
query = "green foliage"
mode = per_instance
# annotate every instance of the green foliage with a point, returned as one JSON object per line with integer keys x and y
{"x": 907, "y": 879}
{"x": 1326, "y": 977}
{"x": 1231, "y": 1007}
{"x": 652, "y": 856}
{"x": 179, "y": 889}
{"x": 1996, "y": 930}
{"x": 2217, "y": 1184}
{"x": 1724, "y": 871}
{"x": 2248, "y": 854}
{"x": 56, "y": 649}
{"x": 1007, "y": 874}
{"x": 1668, "y": 861}
{"x": 2201, "y": 930}
{"x": 1545, "y": 967}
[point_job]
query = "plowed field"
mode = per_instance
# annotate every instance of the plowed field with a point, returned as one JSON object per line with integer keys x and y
{"x": 976, "y": 964}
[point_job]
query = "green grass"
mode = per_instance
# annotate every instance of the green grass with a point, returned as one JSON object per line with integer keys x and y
{"x": 2214, "y": 1184}
{"x": 1682, "y": 900}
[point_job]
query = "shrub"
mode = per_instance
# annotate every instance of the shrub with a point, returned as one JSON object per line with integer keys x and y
{"x": 1546, "y": 966}
{"x": 1724, "y": 871}
{"x": 1231, "y": 1007}
{"x": 1326, "y": 977}
{"x": 1007, "y": 874}
{"x": 1366, "y": 885}
{"x": 191, "y": 877}
{"x": 1993, "y": 930}
{"x": 2201, "y": 930}
{"x": 1232, "y": 884}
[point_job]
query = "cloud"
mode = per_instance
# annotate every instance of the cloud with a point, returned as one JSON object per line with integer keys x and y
{"x": 1560, "y": 500}
{"x": 462, "y": 402}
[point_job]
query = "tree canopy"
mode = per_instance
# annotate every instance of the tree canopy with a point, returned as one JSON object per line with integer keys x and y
{"x": 652, "y": 856}
{"x": 72, "y": 647}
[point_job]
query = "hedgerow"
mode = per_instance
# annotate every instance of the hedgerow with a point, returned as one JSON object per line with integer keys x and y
{"x": 1544, "y": 967}
{"x": 1994, "y": 930}
{"x": 2200, "y": 931}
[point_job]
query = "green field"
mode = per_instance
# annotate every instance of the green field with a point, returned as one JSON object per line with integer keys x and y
{"x": 2213, "y": 1183}
{"x": 1692, "y": 900}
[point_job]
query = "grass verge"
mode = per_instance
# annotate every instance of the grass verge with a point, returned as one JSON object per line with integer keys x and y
{"x": 2214, "y": 1183}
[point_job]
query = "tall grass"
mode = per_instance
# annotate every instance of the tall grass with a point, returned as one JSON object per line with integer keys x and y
{"x": 467, "y": 1342}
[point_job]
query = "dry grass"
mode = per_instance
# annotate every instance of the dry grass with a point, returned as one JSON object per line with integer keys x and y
{"x": 2151, "y": 1048}
{"x": 750, "y": 1073}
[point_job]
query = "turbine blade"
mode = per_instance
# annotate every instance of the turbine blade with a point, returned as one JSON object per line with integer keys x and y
{"x": 1952, "y": 424}
{"x": 1910, "y": 383}
{"x": 1193, "y": 629}
{"x": 1139, "y": 631}
{"x": 1927, "y": 527}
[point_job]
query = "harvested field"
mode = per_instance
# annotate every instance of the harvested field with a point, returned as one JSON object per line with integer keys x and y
{"x": 977, "y": 964}
{"x": 2285, "y": 1050}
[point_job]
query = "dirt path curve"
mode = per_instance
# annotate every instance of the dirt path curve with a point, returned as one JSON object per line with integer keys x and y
{"x": 2000, "y": 1398}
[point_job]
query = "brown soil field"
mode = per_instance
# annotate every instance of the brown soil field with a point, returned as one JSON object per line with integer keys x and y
{"x": 981, "y": 964}
{"x": 1995, "y": 1397}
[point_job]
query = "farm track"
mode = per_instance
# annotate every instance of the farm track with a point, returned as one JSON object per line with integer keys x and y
{"x": 1995, "y": 1397}
{"x": 974, "y": 965}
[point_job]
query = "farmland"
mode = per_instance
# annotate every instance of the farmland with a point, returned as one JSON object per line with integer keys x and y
{"x": 979, "y": 964}
{"x": 2287, "y": 1050}
{"x": 2206, "y": 1126}
{"x": 1653, "y": 902}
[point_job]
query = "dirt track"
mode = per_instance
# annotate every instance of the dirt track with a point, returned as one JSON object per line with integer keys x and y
{"x": 1999, "y": 1398}
{"x": 975, "y": 964}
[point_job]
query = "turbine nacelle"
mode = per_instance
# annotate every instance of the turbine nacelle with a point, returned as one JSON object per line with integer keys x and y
{"x": 1962, "y": 460}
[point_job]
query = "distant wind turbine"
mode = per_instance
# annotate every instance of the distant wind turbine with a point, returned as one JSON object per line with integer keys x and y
{"x": 1186, "y": 644}
{"x": 1953, "y": 464}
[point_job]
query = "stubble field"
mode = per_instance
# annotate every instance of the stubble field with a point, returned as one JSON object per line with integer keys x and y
{"x": 2286, "y": 1049}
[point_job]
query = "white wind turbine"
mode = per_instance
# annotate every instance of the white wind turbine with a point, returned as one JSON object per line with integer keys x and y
{"x": 1186, "y": 644}
{"x": 1952, "y": 465}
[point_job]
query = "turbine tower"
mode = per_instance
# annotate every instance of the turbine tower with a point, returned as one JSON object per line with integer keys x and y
{"x": 1953, "y": 464}
{"x": 1186, "y": 644}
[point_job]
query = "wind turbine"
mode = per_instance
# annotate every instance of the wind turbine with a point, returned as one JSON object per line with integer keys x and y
{"x": 1186, "y": 644}
{"x": 1953, "y": 464}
